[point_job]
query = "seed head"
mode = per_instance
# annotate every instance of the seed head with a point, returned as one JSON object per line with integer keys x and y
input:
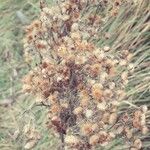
{"x": 94, "y": 139}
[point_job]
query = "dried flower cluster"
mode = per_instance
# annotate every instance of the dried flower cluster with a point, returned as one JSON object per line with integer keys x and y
{"x": 31, "y": 135}
{"x": 81, "y": 84}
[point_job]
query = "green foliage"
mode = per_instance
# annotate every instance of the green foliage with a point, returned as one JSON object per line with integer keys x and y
{"x": 14, "y": 16}
{"x": 12, "y": 68}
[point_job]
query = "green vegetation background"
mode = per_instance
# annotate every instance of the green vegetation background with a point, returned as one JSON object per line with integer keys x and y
{"x": 14, "y": 16}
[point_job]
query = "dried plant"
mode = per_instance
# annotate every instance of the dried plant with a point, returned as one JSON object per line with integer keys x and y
{"x": 81, "y": 84}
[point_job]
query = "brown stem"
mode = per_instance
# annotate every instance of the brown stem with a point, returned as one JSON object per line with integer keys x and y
{"x": 62, "y": 141}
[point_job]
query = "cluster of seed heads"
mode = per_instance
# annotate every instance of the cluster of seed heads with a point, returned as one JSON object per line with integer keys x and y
{"x": 32, "y": 136}
{"x": 80, "y": 83}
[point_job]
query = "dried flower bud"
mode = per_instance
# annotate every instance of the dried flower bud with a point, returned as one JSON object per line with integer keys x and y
{"x": 137, "y": 114}
{"x": 108, "y": 93}
{"x": 112, "y": 72}
{"x": 129, "y": 57}
{"x": 124, "y": 76}
{"x": 113, "y": 118}
{"x": 94, "y": 139}
{"x": 30, "y": 144}
{"x": 103, "y": 77}
{"x": 115, "y": 103}
{"x": 106, "y": 117}
{"x": 121, "y": 94}
{"x": 65, "y": 17}
{"x": 76, "y": 36}
{"x": 55, "y": 108}
{"x": 91, "y": 82}
{"x": 26, "y": 88}
{"x": 112, "y": 135}
{"x": 138, "y": 144}
{"x": 101, "y": 55}
{"x": 47, "y": 11}
{"x": 75, "y": 27}
{"x": 84, "y": 101}
{"x": 102, "y": 106}
{"x": 26, "y": 129}
{"x": 95, "y": 69}
{"x": 131, "y": 66}
{"x": 103, "y": 138}
{"x": 97, "y": 92}
{"x": 125, "y": 52}
{"x": 123, "y": 63}
{"x": 106, "y": 48}
{"x": 115, "y": 61}
{"x": 133, "y": 148}
{"x": 55, "y": 120}
{"x": 88, "y": 113}
{"x": 78, "y": 110}
{"x": 112, "y": 85}
{"x": 86, "y": 129}
{"x": 128, "y": 133}
{"x": 95, "y": 127}
{"x": 64, "y": 105}
{"x": 27, "y": 79}
{"x": 72, "y": 140}
{"x": 34, "y": 135}
{"x": 136, "y": 123}
{"x": 80, "y": 60}
{"x": 41, "y": 44}
{"x": 144, "y": 108}
{"x": 143, "y": 119}
{"x": 125, "y": 117}
{"x": 144, "y": 130}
